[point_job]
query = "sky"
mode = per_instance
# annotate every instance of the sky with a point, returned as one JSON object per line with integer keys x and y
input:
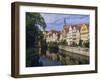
{"x": 56, "y": 21}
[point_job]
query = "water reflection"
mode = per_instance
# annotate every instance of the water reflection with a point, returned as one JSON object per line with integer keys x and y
{"x": 62, "y": 58}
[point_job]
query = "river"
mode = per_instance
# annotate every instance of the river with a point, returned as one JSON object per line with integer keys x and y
{"x": 63, "y": 58}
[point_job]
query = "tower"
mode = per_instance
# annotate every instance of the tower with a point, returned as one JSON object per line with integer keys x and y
{"x": 64, "y": 21}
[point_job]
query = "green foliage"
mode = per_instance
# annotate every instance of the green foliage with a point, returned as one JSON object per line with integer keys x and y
{"x": 33, "y": 33}
{"x": 74, "y": 44}
{"x": 86, "y": 44}
{"x": 34, "y": 18}
{"x": 63, "y": 42}
{"x": 33, "y": 37}
{"x": 43, "y": 46}
{"x": 80, "y": 43}
{"x": 53, "y": 47}
{"x": 32, "y": 57}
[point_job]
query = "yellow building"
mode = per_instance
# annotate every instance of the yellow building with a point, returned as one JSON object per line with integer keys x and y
{"x": 84, "y": 32}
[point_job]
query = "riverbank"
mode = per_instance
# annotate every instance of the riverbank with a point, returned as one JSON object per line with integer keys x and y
{"x": 77, "y": 50}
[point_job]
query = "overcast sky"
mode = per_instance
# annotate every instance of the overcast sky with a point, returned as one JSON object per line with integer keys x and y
{"x": 56, "y": 21}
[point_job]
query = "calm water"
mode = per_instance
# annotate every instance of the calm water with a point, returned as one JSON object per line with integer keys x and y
{"x": 64, "y": 58}
{"x": 47, "y": 62}
{"x": 57, "y": 59}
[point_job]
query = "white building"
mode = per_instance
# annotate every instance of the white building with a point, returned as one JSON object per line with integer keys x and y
{"x": 69, "y": 37}
{"x": 51, "y": 36}
{"x": 70, "y": 33}
{"x": 73, "y": 35}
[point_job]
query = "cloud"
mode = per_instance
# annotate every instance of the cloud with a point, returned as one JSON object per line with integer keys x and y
{"x": 56, "y": 21}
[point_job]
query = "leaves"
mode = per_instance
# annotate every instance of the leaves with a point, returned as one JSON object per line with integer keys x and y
{"x": 34, "y": 18}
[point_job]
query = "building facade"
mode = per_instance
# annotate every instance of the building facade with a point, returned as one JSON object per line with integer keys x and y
{"x": 72, "y": 34}
{"x": 51, "y": 36}
{"x": 84, "y": 33}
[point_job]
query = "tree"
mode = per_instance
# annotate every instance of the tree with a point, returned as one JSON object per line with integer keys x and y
{"x": 33, "y": 37}
{"x": 34, "y": 18}
{"x": 80, "y": 43}
{"x": 64, "y": 42}
{"x": 33, "y": 33}
{"x": 74, "y": 44}
{"x": 53, "y": 47}
{"x": 86, "y": 44}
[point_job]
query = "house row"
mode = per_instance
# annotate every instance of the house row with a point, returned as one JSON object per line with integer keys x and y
{"x": 70, "y": 33}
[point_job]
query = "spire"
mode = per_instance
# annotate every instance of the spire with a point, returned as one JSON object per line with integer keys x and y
{"x": 64, "y": 21}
